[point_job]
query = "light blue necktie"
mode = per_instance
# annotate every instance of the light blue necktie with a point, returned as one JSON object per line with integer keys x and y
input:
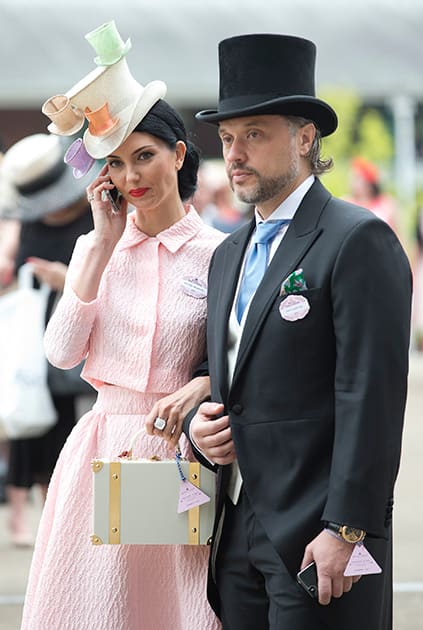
{"x": 256, "y": 263}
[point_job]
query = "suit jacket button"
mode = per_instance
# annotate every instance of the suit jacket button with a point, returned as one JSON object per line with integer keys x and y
{"x": 237, "y": 409}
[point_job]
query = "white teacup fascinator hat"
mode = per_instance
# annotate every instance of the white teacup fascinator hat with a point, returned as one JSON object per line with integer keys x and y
{"x": 109, "y": 99}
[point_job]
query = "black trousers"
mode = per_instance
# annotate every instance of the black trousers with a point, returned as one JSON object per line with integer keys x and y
{"x": 255, "y": 588}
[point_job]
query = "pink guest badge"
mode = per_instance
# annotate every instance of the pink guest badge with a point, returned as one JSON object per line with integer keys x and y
{"x": 194, "y": 287}
{"x": 361, "y": 562}
{"x": 294, "y": 307}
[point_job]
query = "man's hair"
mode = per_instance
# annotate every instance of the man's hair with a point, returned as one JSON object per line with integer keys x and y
{"x": 317, "y": 164}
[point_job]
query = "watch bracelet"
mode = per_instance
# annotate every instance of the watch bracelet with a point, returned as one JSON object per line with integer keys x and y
{"x": 334, "y": 528}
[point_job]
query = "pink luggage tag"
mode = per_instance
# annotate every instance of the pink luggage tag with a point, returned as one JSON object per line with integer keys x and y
{"x": 189, "y": 495}
{"x": 361, "y": 562}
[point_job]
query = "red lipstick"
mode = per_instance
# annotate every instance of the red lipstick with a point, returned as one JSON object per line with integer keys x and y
{"x": 138, "y": 192}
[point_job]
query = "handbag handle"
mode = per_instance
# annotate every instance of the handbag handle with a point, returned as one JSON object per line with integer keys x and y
{"x": 26, "y": 279}
{"x": 129, "y": 453}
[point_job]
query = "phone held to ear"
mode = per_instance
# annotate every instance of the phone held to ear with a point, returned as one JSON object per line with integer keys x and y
{"x": 114, "y": 198}
{"x": 307, "y": 578}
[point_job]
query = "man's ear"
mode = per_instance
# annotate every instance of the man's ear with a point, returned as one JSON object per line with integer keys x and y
{"x": 306, "y": 135}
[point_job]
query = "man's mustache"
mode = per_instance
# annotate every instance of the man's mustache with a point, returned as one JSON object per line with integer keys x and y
{"x": 241, "y": 167}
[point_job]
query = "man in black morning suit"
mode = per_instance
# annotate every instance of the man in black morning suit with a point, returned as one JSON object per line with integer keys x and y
{"x": 308, "y": 369}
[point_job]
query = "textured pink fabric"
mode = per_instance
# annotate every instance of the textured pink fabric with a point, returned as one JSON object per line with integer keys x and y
{"x": 144, "y": 335}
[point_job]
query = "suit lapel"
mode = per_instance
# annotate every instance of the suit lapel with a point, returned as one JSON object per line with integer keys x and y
{"x": 300, "y": 236}
{"x": 229, "y": 275}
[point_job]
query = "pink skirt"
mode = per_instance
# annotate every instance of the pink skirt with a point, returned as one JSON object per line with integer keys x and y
{"x": 74, "y": 585}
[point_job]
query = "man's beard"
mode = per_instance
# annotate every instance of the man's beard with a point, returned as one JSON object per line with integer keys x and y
{"x": 266, "y": 187}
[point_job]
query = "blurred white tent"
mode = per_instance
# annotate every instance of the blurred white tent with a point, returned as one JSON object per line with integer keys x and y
{"x": 374, "y": 46}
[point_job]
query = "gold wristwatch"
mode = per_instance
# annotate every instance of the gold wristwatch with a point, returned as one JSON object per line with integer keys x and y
{"x": 347, "y": 533}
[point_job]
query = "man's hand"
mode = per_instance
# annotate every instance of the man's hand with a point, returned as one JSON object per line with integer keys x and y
{"x": 331, "y": 556}
{"x": 212, "y": 434}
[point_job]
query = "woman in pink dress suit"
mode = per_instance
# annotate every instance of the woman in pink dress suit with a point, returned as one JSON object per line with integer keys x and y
{"x": 134, "y": 305}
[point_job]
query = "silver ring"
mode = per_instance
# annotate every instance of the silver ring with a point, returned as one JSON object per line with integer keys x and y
{"x": 160, "y": 423}
{"x": 90, "y": 197}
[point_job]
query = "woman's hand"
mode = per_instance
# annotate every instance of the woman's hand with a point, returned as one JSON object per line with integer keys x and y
{"x": 175, "y": 407}
{"x": 51, "y": 273}
{"x": 108, "y": 225}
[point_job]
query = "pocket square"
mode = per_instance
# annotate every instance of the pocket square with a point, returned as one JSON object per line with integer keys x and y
{"x": 294, "y": 283}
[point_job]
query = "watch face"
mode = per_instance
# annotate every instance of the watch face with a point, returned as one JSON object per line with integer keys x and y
{"x": 351, "y": 534}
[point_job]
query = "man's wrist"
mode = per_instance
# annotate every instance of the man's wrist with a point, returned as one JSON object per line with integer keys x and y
{"x": 346, "y": 533}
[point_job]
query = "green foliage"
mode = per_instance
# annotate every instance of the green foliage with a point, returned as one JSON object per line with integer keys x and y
{"x": 361, "y": 131}
{"x": 374, "y": 138}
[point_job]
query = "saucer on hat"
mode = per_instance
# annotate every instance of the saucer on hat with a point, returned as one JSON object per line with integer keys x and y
{"x": 108, "y": 44}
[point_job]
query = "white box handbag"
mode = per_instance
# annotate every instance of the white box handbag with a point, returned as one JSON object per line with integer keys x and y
{"x": 136, "y": 502}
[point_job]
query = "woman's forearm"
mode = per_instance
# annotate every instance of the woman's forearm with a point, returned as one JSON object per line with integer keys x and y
{"x": 87, "y": 281}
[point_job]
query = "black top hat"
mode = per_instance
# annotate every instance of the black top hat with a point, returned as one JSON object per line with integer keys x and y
{"x": 269, "y": 74}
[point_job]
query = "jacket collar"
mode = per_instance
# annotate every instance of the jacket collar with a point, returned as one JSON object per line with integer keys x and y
{"x": 173, "y": 238}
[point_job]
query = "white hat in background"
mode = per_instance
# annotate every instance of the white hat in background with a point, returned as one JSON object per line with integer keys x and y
{"x": 34, "y": 168}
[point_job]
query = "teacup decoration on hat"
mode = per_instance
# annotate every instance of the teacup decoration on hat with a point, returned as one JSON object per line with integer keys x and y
{"x": 77, "y": 157}
{"x": 108, "y": 44}
{"x": 66, "y": 119}
{"x": 100, "y": 121}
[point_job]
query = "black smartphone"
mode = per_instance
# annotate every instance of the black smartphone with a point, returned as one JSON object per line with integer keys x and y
{"x": 307, "y": 578}
{"x": 114, "y": 197}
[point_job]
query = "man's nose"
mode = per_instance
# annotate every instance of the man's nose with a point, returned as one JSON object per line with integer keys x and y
{"x": 236, "y": 152}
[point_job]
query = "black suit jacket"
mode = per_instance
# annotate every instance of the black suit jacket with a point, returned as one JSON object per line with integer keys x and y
{"x": 316, "y": 405}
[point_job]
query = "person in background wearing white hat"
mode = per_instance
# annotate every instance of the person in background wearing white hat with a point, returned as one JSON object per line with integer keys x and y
{"x": 308, "y": 338}
{"x": 48, "y": 214}
{"x": 134, "y": 307}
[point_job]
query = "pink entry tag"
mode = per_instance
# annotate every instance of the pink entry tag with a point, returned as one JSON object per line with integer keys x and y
{"x": 361, "y": 562}
{"x": 190, "y": 496}
{"x": 194, "y": 287}
{"x": 294, "y": 307}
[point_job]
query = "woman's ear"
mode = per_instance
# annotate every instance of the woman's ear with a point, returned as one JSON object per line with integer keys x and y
{"x": 180, "y": 150}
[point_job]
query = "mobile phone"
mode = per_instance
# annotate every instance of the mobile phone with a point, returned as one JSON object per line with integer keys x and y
{"x": 114, "y": 197}
{"x": 307, "y": 578}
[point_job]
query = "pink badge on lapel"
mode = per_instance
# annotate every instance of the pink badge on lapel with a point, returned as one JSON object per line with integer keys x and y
{"x": 294, "y": 307}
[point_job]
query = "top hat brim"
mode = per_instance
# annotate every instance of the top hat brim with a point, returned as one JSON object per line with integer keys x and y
{"x": 65, "y": 191}
{"x": 101, "y": 146}
{"x": 309, "y": 107}
{"x": 124, "y": 51}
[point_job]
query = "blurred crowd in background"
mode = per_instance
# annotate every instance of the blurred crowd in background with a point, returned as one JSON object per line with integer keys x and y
{"x": 373, "y": 139}
{"x": 47, "y": 241}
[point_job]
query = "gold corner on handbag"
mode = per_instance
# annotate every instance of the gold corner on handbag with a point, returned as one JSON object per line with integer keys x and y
{"x": 96, "y": 465}
{"x": 136, "y": 501}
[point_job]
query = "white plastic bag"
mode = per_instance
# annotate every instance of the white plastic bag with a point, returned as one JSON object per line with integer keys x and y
{"x": 26, "y": 406}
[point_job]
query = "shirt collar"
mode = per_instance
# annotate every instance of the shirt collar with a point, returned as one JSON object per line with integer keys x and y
{"x": 172, "y": 238}
{"x": 289, "y": 206}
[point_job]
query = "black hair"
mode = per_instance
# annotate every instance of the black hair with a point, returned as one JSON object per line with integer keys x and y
{"x": 165, "y": 123}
